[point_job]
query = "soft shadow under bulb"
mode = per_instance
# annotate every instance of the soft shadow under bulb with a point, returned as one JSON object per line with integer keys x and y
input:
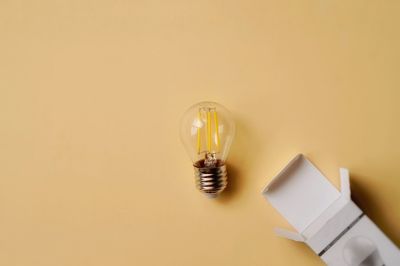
{"x": 207, "y": 130}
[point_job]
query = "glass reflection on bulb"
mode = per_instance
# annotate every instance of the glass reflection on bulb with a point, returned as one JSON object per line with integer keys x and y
{"x": 207, "y": 131}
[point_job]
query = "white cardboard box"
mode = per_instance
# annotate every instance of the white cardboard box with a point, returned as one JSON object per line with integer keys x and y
{"x": 327, "y": 220}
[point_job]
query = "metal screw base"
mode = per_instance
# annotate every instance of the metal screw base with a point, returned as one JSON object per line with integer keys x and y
{"x": 210, "y": 180}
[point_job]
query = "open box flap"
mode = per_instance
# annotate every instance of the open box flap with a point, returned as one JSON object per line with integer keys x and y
{"x": 300, "y": 193}
{"x": 334, "y": 208}
{"x": 289, "y": 234}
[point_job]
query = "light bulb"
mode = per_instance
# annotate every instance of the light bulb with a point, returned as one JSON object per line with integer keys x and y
{"x": 207, "y": 131}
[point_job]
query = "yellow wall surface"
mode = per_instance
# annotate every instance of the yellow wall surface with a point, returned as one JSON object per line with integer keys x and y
{"x": 92, "y": 170}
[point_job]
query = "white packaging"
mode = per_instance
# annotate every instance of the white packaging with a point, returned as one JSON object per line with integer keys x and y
{"x": 327, "y": 220}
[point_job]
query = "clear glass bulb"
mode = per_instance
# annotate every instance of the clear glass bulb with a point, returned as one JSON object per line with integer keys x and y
{"x": 207, "y": 131}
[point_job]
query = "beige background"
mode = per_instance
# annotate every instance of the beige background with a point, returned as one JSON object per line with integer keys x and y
{"x": 92, "y": 171}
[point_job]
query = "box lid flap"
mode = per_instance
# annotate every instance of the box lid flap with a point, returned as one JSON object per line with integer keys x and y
{"x": 300, "y": 192}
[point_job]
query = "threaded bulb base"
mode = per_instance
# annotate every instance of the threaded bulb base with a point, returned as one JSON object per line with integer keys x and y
{"x": 210, "y": 180}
